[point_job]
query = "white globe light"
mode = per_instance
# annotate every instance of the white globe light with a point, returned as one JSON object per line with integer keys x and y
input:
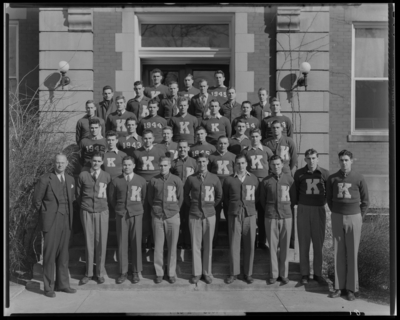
{"x": 63, "y": 66}
{"x": 305, "y": 67}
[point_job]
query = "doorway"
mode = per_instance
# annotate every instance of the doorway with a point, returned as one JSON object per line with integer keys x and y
{"x": 178, "y": 72}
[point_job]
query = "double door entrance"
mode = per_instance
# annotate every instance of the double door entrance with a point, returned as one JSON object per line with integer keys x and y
{"x": 178, "y": 73}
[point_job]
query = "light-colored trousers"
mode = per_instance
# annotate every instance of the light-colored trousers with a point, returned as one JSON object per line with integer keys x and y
{"x": 346, "y": 231}
{"x": 165, "y": 228}
{"x": 201, "y": 230}
{"x": 311, "y": 222}
{"x": 239, "y": 226}
{"x": 95, "y": 227}
{"x": 129, "y": 231}
{"x": 278, "y": 234}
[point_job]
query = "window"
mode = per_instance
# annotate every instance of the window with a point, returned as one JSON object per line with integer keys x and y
{"x": 13, "y": 57}
{"x": 370, "y": 104}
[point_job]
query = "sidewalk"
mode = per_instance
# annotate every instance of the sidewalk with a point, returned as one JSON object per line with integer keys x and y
{"x": 204, "y": 300}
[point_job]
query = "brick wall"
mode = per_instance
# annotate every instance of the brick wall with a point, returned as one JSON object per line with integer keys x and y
{"x": 263, "y": 26}
{"x": 370, "y": 157}
{"x": 106, "y": 60}
{"x": 29, "y": 53}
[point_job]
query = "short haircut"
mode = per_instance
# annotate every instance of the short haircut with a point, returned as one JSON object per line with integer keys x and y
{"x": 183, "y": 141}
{"x": 275, "y": 157}
{"x": 120, "y": 98}
{"x": 223, "y": 137}
{"x": 215, "y": 101}
{"x": 89, "y": 102}
{"x": 154, "y": 101}
{"x": 241, "y": 121}
{"x": 130, "y": 119}
{"x": 173, "y": 82}
{"x": 203, "y": 80}
{"x": 240, "y": 156}
{"x": 97, "y": 154}
{"x": 202, "y": 155}
{"x": 94, "y": 121}
{"x": 182, "y": 98}
{"x": 164, "y": 158}
{"x": 137, "y": 83}
{"x": 230, "y": 88}
{"x": 156, "y": 71}
{"x": 275, "y": 99}
{"x": 255, "y": 130}
{"x": 60, "y": 154}
{"x": 345, "y": 153}
{"x": 200, "y": 128}
{"x": 310, "y": 152}
{"x": 246, "y": 102}
{"x": 263, "y": 89}
{"x": 276, "y": 121}
{"x": 111, "y": 133}
{"x": 108, "y": 88}
{"x": 189, "y": 75}
{"x": 147, "y": 131}
{"x": 167, "y": 128}
{"x": 128, "y": 158}
{"x": 220, "y": 72}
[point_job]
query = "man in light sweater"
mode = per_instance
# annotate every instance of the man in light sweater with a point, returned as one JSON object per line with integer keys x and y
{"x": 348, "y": 200}
{"x": 91, "y": 193}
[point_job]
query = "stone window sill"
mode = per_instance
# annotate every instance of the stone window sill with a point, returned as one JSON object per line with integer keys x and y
{"x": 367, "y": 138}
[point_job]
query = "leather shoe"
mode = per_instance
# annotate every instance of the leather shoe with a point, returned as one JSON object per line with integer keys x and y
{"x": 335, "y": 294}
{"x": 248, "y": 279}
{"x": 207, "y": 279}
{"x": 67, "y": 290}
{"x": 100, "y": 280}
{"x": 85, "y": 280}
{"x": 158, "y": 279}
{"x": 230, "y": 279}
{"x": 135, "y": 277}
{"x": 50, "y": 294}
{"x": 195, "y": 279}
{"x": 271, "y": 280}
{"x": 319, "y": 279}
{"x": 121, "y": 278}
{"x": 304, "y": 279}
{"x": 171, "y": 280}
{"x": 350, "y": 295}
{"x": 285, "y": 280}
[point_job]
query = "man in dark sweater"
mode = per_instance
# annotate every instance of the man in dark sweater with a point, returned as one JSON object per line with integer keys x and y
{"x": 276, "y": 115}
{"x": 165, "y": 196}
{"x": 153, "y": 122}
{"x": 82, "y": 126}
{"x": 241, "y": 194}
{"x": 132, "y": 141}
{"x": 169, "y": 105}
{"x": 113, "y": 157}
{"x": 116, "y": 120}
{"x": 183, "y": 124}
{"x": 261, "y": 109}
{"x": 239, "y": 141}
{"x": 91, "y": 193}
{"x": 348, "y": 200}
{"x": 310, "y": 198}
{"x": 215, "y": 124}
{"x": 231, "y": 109}
{"x": 95, "y": 143}
{"x": 127, "y": 194}
{"x": 157, "y": 91}
{"x": 201, "y": 147}
{"x": 138, "y": 105}
{"x": 202, "y": 193}
{"x": 251, "y": 122}
{"x": 107, "y": 106}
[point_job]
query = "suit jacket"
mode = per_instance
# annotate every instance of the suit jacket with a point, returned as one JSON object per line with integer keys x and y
{"x": 231, "y": 113}
{"x": 103, "y": 112}
{"x": 197, "y": 109}
{"x": 46, "y": 198}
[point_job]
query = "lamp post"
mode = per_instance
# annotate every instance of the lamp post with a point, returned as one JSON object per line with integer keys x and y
{"x": 63, "y": 67}
{"x": 305, "y": 68}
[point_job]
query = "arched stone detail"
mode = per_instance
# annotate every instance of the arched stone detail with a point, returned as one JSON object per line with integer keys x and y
{"x": 80, "y": 19}
{"x": 288, "y": 19}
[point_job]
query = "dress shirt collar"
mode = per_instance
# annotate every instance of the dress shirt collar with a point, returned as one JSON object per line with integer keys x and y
{"x": 133, "y": 135}
{"x": 183, "y": 159}
{"x": 138, "y": 99}
{"x": 276, "y": 176}
{"x": 217, "y": 116}
{"x": 120, "y": 113}
{"x": 222, "y": 154}
{"x": 258, "y": 147}
{"x": 204, "y": 174}
{"x": 129, "y": 175}
{"x": 240, "y": 138}
{"x": 235, "y": 175}
{"x": 59, "y": 175}
{"x": 97, "y": 172}
{"x": 165, "y": 176}
{"x": 115, "y": 150}
{"x": 149, "y": 148}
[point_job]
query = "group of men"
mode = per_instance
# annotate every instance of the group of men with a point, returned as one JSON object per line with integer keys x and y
{"x": 171, "y": 161}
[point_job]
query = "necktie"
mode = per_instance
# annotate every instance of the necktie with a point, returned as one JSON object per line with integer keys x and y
{"x": 62, "y": 179}
{"x": 94, "y": 175}
{"x": 203, "y": 100}
{"x": 202, "y": 177}
{"x": 127, "y": 178}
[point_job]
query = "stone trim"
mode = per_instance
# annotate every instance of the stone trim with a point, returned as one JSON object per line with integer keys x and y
{"x": 288, "y": 19}
{"x": 80, "y": 20}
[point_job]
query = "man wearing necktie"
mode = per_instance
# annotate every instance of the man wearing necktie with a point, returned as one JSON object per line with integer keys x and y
{"x": 199, "y": 103}
{"x": 107, "y": 106}
{"x": 116, "y": 120}
{"x": 261, "y": 109}
{"x": 92, "y": 198}
{"x": 231, "y": 109}
{"x": 53, "y": 197}
{"x": 127, "y": 194}
{"x": 139, "y": 104}
{"x": 202, "y": 193}
{"x": 168, "y": 105}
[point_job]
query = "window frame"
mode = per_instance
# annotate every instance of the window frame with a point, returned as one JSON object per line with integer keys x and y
{"x": 357, "y": 133}
{"x": 14, "y": 23}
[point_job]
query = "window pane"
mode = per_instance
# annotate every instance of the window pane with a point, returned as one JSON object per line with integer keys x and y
{"x": 206, "y": 75}
{"x": 185, "y": 35}
{"x": 12, "y": 51}
{"x": 372, "y": 105}
{"x": 371, "y": 52}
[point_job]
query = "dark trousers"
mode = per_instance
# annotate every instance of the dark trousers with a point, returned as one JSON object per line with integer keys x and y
{"x": 147, "y": 231}
{"x": 262, "y": 238}
{"x": 184, "y": 235}
{"x": 55, "y": 254}
{"x": 218, "y": 210}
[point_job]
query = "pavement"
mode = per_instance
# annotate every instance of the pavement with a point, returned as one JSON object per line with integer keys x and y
{"x": 217, "y": 298}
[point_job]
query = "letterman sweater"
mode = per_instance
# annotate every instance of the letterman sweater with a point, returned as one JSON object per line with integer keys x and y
{"x": 156, "y": 92}
{"x": 138, "y": 108}
{"x": 183, "y": 168}
{"x": 258, "y": 160}
{"x": 275, "y": 196}
{"x": 236, "y": 144}
{"x": 92, "y": 194}
{"x": 113, "y": 162}
{"x": 251, "y": 123}
{"x": 216, "y": 127}
{"x": 189, "y": 93}
{"x": 165, "y": 195}
{"x": 202, "y": 196}
{"x": 347, "y": 194}
{"x": 240, "y": 194}
{"x": 155, "y": 124}
{"x": 310, "y": 187}
{"x": 267, "y": 122}
{"x": 260, "y": 112}
{"x": 286, "y": 149}
{"x": 221, "y": 165}
{"x": 129, "y": 143}
{"x": 116, "y": 122}
{"x": 83, "y": 130}
{"x": 88, "y": 146}
{"x": 201, "y": 148}
{"x": 183, "y": 127}
{"x": 171, "y": 149}
{"x": 147, "y": 162}
{"x": 219, "y": 94}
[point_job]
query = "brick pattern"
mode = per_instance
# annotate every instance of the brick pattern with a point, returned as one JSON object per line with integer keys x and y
{"x": 259, "y": 61}
{"x": 105, "y": 60}
{"x": 370, "y": 157}
{"x": 29, "y": 53}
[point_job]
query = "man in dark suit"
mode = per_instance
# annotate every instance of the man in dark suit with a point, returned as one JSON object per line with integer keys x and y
{"x": 231, "y": 109}
{"x": 200, "y": 102}
{"x": 53, "y": 197}
{"x": 107, "y": 106}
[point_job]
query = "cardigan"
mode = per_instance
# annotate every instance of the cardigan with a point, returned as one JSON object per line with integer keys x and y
{"x": 147, "y": 162}
{"x": 221, "y": 165}
{"x": 258, "y": 160}
{"x": 92, "y": 194}
{"x": 165, "y": 196}
{"x": 183, "y": 127}
{"x": 286, "y": 149}
{"x": 202, "y": 196}
{"x": 183, "y": 168}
